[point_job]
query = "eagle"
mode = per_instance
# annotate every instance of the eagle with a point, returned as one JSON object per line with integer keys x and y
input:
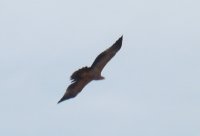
{"x": 83, "y": 76}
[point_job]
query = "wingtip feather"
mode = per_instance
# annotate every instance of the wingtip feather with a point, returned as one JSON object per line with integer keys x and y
{"x": 120, "y": 40}
{"x": 60, "y": 101}
{"x": 121, "y": 37}
{"x": 118, "y": 43}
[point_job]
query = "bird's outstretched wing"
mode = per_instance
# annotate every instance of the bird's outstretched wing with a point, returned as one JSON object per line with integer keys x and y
{"x": 74, "y": 89}
{"x": 103, "y": 58}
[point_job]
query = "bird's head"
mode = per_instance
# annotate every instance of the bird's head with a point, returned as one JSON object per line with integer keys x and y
{"x": 99, "y": 78}
{"x": 102, "y": 78}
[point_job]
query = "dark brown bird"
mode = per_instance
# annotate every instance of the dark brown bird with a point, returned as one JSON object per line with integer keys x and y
{"x": 83, "y": 76}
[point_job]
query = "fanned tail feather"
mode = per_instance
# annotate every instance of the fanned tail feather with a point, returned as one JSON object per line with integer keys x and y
{"x": 78, "y": 74}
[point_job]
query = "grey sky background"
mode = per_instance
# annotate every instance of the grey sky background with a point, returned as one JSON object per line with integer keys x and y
{"x": 152, "y": 85}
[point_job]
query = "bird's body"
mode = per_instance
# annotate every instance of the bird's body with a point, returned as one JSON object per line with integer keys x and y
{"x": 83, "y": 76}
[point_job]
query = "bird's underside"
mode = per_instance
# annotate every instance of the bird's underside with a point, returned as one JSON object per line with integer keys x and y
{"x": 83, "y": 76}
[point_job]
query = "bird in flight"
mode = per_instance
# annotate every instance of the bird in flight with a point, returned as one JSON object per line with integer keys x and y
{"x": 83, "y": 76}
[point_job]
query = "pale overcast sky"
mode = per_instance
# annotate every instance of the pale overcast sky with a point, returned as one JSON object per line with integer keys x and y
{"x": 152, "y": 86}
